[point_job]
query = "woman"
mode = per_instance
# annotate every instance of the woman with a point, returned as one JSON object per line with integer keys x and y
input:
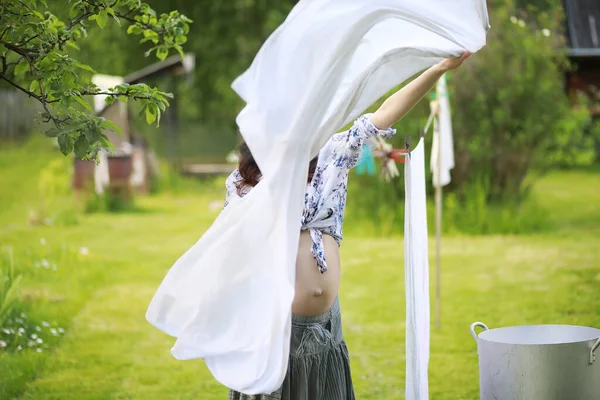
{"x": 319, "y": 365}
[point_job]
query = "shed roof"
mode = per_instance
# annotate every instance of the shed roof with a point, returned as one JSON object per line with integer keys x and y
{"x": 583, "y": 23}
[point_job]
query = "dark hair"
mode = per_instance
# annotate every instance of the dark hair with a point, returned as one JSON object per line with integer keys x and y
{"x": 251, "y": 173}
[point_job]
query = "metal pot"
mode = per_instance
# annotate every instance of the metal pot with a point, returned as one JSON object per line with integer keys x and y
{"x": 538, "y": 362}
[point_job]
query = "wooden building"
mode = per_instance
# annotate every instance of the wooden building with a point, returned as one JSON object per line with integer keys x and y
{"x": 583, "y": 39}
{"x": 132, "y": 165}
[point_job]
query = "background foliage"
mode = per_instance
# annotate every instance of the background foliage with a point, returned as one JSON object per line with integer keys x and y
{"x": 35, "y": 59}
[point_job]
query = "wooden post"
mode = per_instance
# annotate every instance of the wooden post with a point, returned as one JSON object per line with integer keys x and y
{"x": 438, "y": 233}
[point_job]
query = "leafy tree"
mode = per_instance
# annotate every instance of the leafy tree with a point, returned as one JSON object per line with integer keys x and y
{"x": 511, "y": 113}
{"x": 35, "y": 59}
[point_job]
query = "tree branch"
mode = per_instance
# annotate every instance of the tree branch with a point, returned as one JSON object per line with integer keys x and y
{"x": 27, "y": 92}
{"x": 17, "y": 49}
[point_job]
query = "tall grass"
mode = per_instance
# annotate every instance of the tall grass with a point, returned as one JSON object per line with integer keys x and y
{"x": 376, "y": 208}
{"x": 9, "y": 286}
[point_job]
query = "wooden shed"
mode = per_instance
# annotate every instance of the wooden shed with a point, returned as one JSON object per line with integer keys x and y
{"x": 131, "y": 166}
{"x": 583, "y": 35}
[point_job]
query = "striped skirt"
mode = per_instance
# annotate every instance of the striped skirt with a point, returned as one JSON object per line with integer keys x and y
{"x": 319, "y": 366}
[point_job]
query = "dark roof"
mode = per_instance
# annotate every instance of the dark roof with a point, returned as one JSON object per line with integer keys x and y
{"x": 583, "y": 22}
{"x": 173, "y": 65}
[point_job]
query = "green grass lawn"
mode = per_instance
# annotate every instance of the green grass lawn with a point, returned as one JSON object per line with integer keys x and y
{"x": 109, "y": 351}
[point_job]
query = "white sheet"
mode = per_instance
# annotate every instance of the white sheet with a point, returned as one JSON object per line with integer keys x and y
{"x": 228, "y": 298}
{"x": 416, "y": 276}
{"x": 443, "y": 142}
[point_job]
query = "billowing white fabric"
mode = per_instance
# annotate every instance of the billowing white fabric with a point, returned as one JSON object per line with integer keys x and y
{"x": 416, "y": 276}
{"x": 228, "y": 298}
{"x": 443, "y": 143}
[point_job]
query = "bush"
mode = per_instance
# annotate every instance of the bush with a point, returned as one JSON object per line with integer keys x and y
{"x": 511, "y": 113}
{"x": 512, "y": 122}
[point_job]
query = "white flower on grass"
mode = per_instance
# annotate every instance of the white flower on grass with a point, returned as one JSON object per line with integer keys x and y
{"x": 61, "y": 330}
{"x": 84, "y": 251}
{"x": 37, "y": 328}
{"x": 30, "y": 343}
{"x": 546, "y": 32}
{"x": 54, "y": 332}
{"x": 19, "y": 347}
{"x": 39, "y": 340}
{"x": 2, "y": 343}
{"x": 46, "y": 324}
{"x": 38, "y": 350}
{"x": 45, "y": 263}
{"x": 6, "y": 331}
{"x": 23, "y": 315}
{"x": 34, "y": 336}
{"x": 43, "y": 241}
{"x": 521, "y": 23}
{"x": 513, "y": 19}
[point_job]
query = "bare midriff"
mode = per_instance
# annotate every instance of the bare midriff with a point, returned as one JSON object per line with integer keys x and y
{"x": 316, "y": 291}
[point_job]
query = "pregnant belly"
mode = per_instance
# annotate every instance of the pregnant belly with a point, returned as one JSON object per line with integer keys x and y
{"x": 316, "y": 292}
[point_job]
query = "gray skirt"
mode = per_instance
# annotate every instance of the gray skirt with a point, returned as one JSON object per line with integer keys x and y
{"x": 319, "y": 366}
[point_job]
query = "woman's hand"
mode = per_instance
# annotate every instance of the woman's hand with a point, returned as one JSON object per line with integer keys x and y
{"x": 400, "y": 103}
{"x": 452, "y": 63}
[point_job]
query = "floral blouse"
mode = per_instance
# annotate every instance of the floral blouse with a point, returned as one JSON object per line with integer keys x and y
{"x": 325, "y": 198}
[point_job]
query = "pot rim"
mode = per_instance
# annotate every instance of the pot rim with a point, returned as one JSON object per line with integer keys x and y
{"x": 547, "y": 334}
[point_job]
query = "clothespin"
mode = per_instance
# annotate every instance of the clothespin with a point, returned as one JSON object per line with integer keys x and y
{"x": 366, "y": 163}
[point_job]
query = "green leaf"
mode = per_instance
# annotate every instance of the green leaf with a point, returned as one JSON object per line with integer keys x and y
{"x": 67, "y": 80}
{"x": 83, "y": 66}
{"x": 66, "y": 143}
{"x": 52, "y": 132}
{"x": 157, "y": 118}
{"x": 106, "y": 143}
{"x": 21, "y": 68}
{"x": 34, "y": 86}
{"x": 111, "y": 126}
{"x": 82, "y": 146}
{"x": 83, "y": 103}
{"x": 150, "y": 114}
{"x": 110, "y": 11}
{"x": 162, "y": 52}
{"x": 134, "y": 29}
{"x": 92, "y": 134}
{"x": 102, "y": 19}
{"x": 149, "y": 33}
{"x": 72, "y": 44}
{"x": 74, "y": 10}
{"x": 179, "y": 50}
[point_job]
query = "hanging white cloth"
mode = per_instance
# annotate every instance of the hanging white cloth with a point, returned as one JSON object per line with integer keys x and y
{"x": 101, "y": 173}
{"x": 416, "y": 276}
{"x": 228, "y": 298}
{"x": 443, "y": 142}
